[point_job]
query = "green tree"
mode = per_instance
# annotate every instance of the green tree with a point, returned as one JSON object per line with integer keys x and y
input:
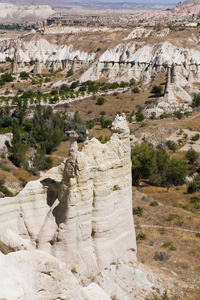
{"x": 18, "y": 149}
{"x": 7, "y": 77}
{"x": 2, "y": 82}
{"x": 157, "y": 90}
{"x": 40, "y": 161}
{"x": 176, "y": 172}
{"x": 158, "y": 177}
{"x": 143, "y": 162}
{"x": 196, "y": 100}
{"x": 105, "y": 123}
{"x": 191, "y": 155}
{"x": 21, "y": 109}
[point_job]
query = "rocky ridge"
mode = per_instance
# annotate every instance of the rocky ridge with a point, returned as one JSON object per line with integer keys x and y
{"x": 135, "y": 57}
{"x": 15, "y": 12}
{"x": 187, "y": 9}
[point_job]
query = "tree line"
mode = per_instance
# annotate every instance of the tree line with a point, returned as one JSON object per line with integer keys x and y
{"x": 159, "y": 169}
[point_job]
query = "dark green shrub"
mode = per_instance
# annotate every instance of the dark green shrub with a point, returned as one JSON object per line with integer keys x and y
{"x": 74, "y": 85}
{"x": 153, "y": 203}
{"x": 196, "y": 100}
{"x": 169, "y": 245}
{"x": 153, "y": 116}
{"x": 163, "y": 297}
{"x": 105, "y": 123}
{"x": 178, "y": 114}
{"x": 136, "y": 90}
{"x": 64, "y": 88}
{"x": 114, "y": 85}
{"x": 195, "y": 137}
{"x": 141, "y": 237}
{"x": 90, "y": 125}
{"x": 123, "y": 84}
{"x": 138, "y": 210}
{"x": 194, "y": 200}
{"x": 102, "y": 113}
{"x": 192, "y": 188}
{"x": 69, "y": 73}
{"x": 171, "y": 217}
{"x": 32, "y": 62}
{"x": 24, "y": 75}
{"x": 172, "y": 145}
{"x": 8, "y": 59}
{"x": 4, "y": 189}
{"x": 100, "y": 101}
{"x": 157, "y": 90}
{"x": 139, "y": 116}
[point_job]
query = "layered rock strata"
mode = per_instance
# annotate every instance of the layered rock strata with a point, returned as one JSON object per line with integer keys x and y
{"x": 85, "y": 218}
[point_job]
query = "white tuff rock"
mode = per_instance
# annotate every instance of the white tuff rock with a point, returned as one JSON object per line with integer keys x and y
{"x": 11, "y": 11}
{"x": 84, "y": 220}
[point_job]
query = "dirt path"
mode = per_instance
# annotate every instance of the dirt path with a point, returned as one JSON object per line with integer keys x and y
{"x": 195, "y": 116}
{"x": 170, "y": 228}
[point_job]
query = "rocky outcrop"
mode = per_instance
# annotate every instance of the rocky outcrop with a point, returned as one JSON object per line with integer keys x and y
{"x": 59, "y": 29}
{"x": 81, "y": 213}
{"x": 131, "y": 59}
{"x": 140, "y": 61}
{"x": 46, "y": 54}
{"x": 15, "y": 12}
{"x": 38, "y": 67}
{"x": 85, "y": 218}
{"x": 38, "y": 275}
{"x": 5, "y": 142}
{"x": 184, "y": 10}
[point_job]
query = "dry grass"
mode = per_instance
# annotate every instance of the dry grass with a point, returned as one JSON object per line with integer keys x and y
{"x": 183, "y": 265}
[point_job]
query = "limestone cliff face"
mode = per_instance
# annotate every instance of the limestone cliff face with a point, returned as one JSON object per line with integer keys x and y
{"x": 85, "y": 218}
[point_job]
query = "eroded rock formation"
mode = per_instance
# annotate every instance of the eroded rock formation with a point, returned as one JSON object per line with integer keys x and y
{"x": 81, "y": 213}
{"x": 15, "y": 12}
{"x": 185, "y": 10}
{"x": 38, "y": 275}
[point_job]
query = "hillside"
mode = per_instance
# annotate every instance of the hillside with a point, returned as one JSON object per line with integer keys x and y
{"x": 100, "y": 130}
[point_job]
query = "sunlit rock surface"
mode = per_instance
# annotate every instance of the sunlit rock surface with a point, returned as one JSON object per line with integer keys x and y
{"x": 81, "y": 213}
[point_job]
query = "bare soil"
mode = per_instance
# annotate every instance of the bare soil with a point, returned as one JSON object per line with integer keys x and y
{"x": 179, "y": 234}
